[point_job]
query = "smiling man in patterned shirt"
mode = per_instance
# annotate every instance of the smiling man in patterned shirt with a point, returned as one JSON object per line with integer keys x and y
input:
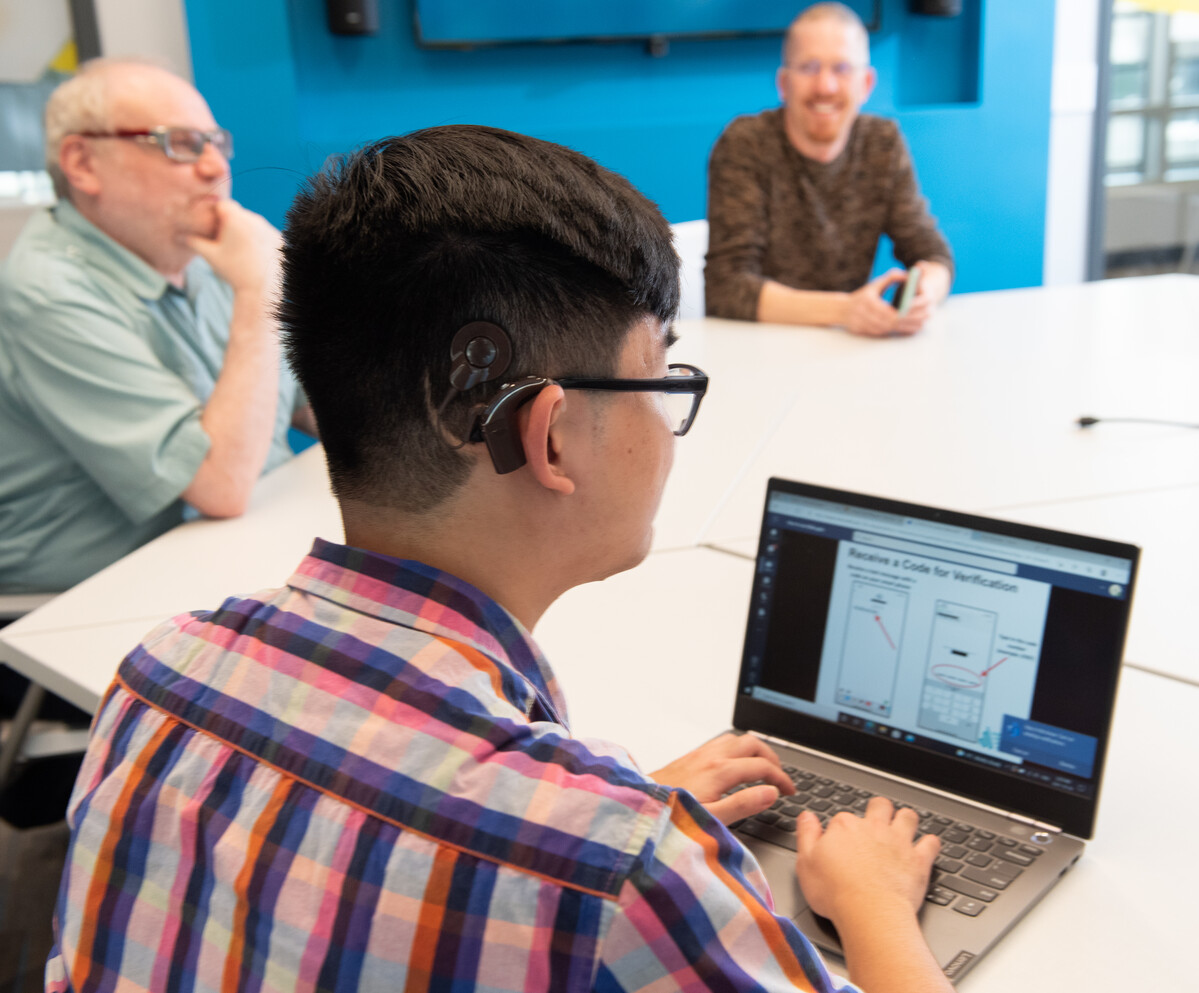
{"x": 798, "y": 196}
{"x": 366, "y": 780}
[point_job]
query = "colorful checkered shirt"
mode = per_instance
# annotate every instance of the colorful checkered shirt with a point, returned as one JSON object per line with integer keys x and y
{"x": 365, "y": 781}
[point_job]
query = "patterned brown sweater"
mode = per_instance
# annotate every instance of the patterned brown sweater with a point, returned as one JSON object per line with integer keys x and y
{"x": 776, "y": 214}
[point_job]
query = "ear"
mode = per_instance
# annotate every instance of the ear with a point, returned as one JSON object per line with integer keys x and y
{"x": 76, "y": 159}
{"x": 542, "y": 436}
{"x": 780, "y": 83}
{"x": 871, "y": 79}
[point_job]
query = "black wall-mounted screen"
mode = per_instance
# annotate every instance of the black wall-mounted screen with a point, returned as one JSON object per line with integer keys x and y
{"x": 460, "y": 23}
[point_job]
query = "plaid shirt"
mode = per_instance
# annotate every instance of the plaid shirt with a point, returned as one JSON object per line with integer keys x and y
{"x": 365, "y": 781}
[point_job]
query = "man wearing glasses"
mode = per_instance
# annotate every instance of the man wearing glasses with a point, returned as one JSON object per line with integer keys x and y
{"x": 139, "y": 360}
{"x": 798, "y": 197}
{"x": 365, "y": 780}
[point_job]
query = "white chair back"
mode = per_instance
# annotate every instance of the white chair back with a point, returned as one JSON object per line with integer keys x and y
{"x": 691, "y": 242}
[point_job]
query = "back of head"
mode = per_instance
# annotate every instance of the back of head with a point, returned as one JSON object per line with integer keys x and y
{"x": 392, "y": 249}
{"x": 830, "y": 11}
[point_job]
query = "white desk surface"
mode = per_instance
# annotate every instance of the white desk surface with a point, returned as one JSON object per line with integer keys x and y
{"x": 978, "y": 411}
{"x": 1165, "y": 523}
{"x": 650, "y": 659}
{"x": 752, "y": 388}
{"x": 77, "y": 663}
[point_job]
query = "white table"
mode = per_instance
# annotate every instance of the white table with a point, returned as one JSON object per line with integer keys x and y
{"x": 979, "y": 411}
{"x": 1124, "y": 917}
{"x": 1165, "y": 523}
{"x": 753, "y": 388}
{"x": 658, "y": 665}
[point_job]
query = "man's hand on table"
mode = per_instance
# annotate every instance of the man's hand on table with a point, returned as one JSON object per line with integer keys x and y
{"x": 868, "y": 313}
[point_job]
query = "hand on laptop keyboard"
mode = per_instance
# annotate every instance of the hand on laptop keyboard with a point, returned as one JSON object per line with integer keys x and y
{"x": 868, "y": 875}
{"x": 871, "y": 854}
{"x": 973, "y": 868}
{"x": 734, "y": 776}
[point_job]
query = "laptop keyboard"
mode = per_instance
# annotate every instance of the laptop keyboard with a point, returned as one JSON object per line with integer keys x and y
{"x": 974, "y": 868}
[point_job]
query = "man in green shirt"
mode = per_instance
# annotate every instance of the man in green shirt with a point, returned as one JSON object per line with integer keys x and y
{"x": 139, "y": 360}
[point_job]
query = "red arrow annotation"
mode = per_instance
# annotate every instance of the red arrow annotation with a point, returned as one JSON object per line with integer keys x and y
{"x": 995, "y": 666}
{"x": 888, "y": 637}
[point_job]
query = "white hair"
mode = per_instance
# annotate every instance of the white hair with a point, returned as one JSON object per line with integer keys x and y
{"x": 82, "y": 103}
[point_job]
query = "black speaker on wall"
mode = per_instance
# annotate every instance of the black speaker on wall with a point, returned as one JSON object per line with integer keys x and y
{"x": 936, "y": 8}
{"x": 353, "y": 16}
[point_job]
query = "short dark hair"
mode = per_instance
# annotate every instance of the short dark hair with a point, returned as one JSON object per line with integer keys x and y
{"x": 393, "y": 248}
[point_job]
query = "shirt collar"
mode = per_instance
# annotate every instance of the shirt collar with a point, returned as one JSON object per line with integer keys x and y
{"x": 111, "y": 257}
{"x": 417, "y": 596}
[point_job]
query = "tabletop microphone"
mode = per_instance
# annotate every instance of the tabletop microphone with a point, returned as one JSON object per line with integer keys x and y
{"x": 1086, "y": 422}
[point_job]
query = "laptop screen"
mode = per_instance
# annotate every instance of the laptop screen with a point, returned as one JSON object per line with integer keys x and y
{"x": 981, "y": 647}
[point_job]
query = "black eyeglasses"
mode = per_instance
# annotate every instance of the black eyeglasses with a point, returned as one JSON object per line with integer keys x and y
{"x": 683, "y": 388}
{"x": 177, "y": 144}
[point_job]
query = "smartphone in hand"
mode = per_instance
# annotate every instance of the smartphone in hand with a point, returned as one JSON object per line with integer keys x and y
{"x": 905, "y": 292}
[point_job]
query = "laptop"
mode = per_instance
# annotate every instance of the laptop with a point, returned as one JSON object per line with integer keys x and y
{"x": 963, "y": 666}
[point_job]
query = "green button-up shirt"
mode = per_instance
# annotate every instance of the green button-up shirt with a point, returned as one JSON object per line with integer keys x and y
{"x": 104, "y": 370}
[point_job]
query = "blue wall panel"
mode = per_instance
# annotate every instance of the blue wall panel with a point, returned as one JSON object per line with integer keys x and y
{"x": 971, "y": 93}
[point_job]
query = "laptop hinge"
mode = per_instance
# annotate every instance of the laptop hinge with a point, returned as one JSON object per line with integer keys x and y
{"x": 913, "y": 783}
